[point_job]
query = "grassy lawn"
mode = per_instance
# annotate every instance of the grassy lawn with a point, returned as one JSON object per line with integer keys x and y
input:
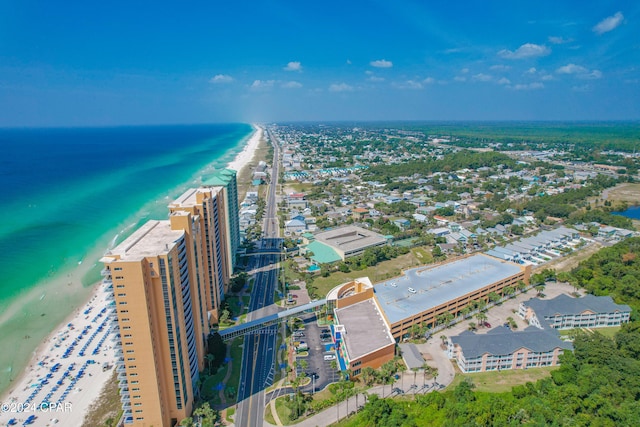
{"x": 283, "y": 411}
{"x": 209, "y": 391}
{"x": 567, "y": 263}
{"x": 498, "y": 382}
{"x": 268, "y": 416}
{"x": 298, "y": 187}
{"x": 382, "y": 271}
{"x": 607, "y": 332}
{"x": 289, "y": 272}
{"x": 236, "y": 356}
{"x": 230, "y": 413}
{"x": 422, "y": 255}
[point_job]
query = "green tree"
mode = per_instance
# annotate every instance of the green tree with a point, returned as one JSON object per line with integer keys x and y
{"x": 207, "y": 416}
{"x": 481, "y": 317}
{"x": 494, "y": 297}
{"x": 509, "y": 291}
{"x": 224, "y": 317}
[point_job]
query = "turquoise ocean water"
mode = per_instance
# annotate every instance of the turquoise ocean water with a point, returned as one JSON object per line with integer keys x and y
{"x": 70, "y": 194}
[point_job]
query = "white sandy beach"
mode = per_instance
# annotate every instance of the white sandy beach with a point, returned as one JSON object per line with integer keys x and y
{"x": 66, "y": 375}
{"x": 244, "y": 157}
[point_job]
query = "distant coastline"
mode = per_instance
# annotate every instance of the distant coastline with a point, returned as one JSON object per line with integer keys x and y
{"x": 31, "y": 315}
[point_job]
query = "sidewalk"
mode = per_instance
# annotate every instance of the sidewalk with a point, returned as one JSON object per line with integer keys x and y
{"x": 340, "y": 411}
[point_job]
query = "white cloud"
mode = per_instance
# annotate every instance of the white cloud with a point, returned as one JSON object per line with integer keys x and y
{"x": 608, "y": 24}
{"x": 460, "y": 78}
{"x": 595, "y": 74}
{"x": 538, "y": 74}
{"x": 429, "y": 81}
{"x": 375, "y": 79}
{"x": 579, "y": 71}
{"x": 527, "y": 50}
{"x": 293, "y": 66}
{"x": 528, "y": 86}
{"x": 504, "y": 81}
{"x": 408, "y": 84}
{"x": 582, "y": 88}
{"x": 480, "y": 77}
{"x": 262, "y": 84}
{"x": 499, "y": 67}
{"x": 558, "y": 40}
{"x": 348, "y": 62}
{"x": 340, "y": 87}
{"x": 464, "y": 70}
{"x": 221, "y": 78}
{"x": 571, "y": 69}
{"x": 381, "y": 63}
{"x": 292, "y": 85}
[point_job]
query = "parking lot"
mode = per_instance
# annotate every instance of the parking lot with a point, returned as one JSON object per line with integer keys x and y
{"x": 316, "y": 363}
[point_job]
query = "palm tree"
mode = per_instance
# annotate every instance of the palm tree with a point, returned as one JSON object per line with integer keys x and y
{"x": 334, "y": 368}
{"x": 481, "y": 317}
{"x": 346, "y": 391}
{"x": 539, "y": 288}
{"x": 415, "y": 372}
{"x": 472, "y": 326}
{"x": 295, "y": 383}
{"x": 481, "y": 305}
{"x": 428, "y": 371}
{"x": 521, "y": 286}
{"x": 465, "y": 311}
{"x": 494, "y": 297}
{"x": 402, "y": 368}
{"x": 509, "y": 291}
{"x": 210, "y": 358}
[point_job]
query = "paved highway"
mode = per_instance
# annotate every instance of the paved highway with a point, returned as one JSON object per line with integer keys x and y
{"x": 258, "y": 367}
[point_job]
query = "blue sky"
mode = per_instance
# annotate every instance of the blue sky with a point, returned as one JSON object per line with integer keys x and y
{"x": 118, "y": 63}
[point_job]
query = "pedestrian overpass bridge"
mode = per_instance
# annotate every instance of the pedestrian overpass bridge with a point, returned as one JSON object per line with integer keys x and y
{"x": 253, "y": 326}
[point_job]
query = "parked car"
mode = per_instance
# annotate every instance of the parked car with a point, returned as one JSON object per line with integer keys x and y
{"x": 329, "y": 357}
{"x": 487, "y": 324}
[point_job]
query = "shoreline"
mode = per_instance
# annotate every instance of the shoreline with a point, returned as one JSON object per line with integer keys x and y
{"x": 33, "y": 372}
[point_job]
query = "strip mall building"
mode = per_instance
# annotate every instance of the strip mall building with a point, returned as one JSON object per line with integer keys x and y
{"x": 417, "y": 297}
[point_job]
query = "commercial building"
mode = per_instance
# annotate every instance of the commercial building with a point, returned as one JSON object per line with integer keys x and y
{"x": 360, "y": 333}
{"x": 162, "y": 319}
{"x": 421, "y": 294}
{"x": 565, "y": 312}
{"x": 501, "y": 348}
{"x": 362, "y": 337}
{"x": 227, "y": 178}
{"x": 350, "y": 240}
{"x": 208, "y": 208}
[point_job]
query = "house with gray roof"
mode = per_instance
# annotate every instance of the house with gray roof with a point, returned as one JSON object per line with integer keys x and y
{"x": 501, "y": 348}
{"x": 565, "y": 312}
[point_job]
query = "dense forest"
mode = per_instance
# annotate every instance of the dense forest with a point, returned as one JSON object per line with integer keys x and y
{"x": 597, "y": 385}
{"x": 622, "y": 136}
{"x": 450, "y": 162}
